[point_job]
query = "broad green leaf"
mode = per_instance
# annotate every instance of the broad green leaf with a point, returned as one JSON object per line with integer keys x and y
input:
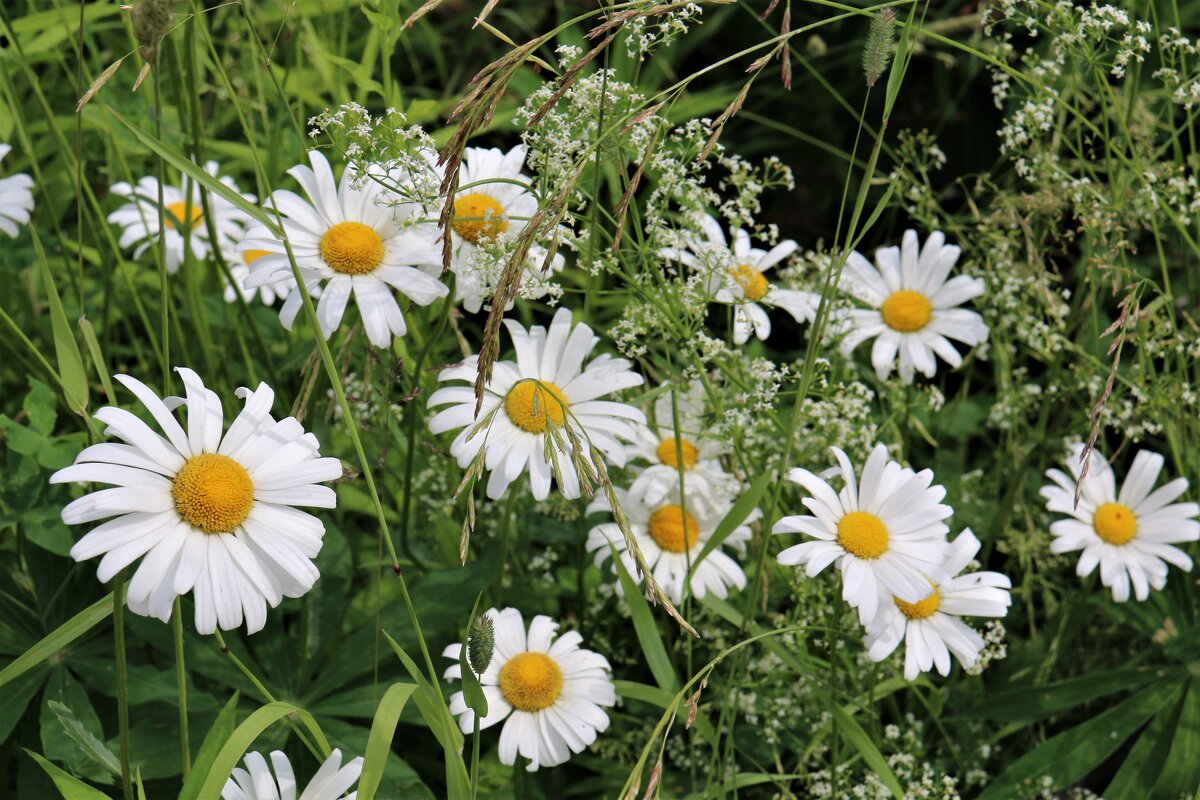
{"x": 66, "y": 349}
{"x": 857, "y": 738}
{"x": 473, "y": 694}
{"x": 383, "y": 729}
{"x": 39, "y": 405}
{"x": 62, "y": 636}
{"x": 736, "y": 516}
{"x": 15, "y": 699}
{"x": 216, "y": 737}
{"x": 68, "y": 785}
{"x": 1144, "y": 763}
{"x": 1028, "y": 703}
{"x": 87, "y": 743}
{"x": 1181, "y": 772}
{"x": 647, "y": 631}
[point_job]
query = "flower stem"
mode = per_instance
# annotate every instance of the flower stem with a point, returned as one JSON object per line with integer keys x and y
{"x": 181, "y": 686}
{"x": 122, "y": 682}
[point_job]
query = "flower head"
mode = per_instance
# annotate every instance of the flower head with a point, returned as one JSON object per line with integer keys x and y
{"x": 16, "y": 198}
{"x": 256, "y": 782}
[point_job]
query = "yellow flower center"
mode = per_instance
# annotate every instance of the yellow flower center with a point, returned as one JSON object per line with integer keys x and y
{"x": 177, "y": 213}
{"x": 478, "y": 216}
{"x": 673, "y": 529}
{"x": 862, "y": 534}
{"x": 920, "y": 609}
{"x": 668, "y": 453}
{"x": 754, "y": 285}
{"x": 906, "y": 311}
{"x": 250, "y": 256}
{"x": 531, "y": 681}
{"x": 213, "y": 492}
{"x": 1114, "y": 523}
{"x": 352, "y": 248}
{"x": 530, "y": 402}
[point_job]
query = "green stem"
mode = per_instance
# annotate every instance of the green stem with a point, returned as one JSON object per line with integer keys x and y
{"x": 181, "y": 686}
{"x": 122, "y": 682}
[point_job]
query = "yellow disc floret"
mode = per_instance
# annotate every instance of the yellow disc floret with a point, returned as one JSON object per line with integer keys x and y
{"x": 906, "y": 311}
{"x": 250, "y": 256}
{"x": 673, "y": 529}
{"x": 862, "y": 534}
{"x": 668, "y": 453}
{"x": 213, "y": 492}
{"x": 531, "y": 681}
{"x": 479, "y": 217}
{"x": 754, "y": 285}
{"x": 352, "y": 248}
{"x": 177, "y": 213}
{"x": 1114, "y": 523}
{"x": 530, "y": 402}
{"x": 920, "y": 609}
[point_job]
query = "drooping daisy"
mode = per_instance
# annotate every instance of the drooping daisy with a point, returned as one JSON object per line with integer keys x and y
{"x": 347, "y": 239}
{"x": 138, "y": 219}
{"x": 735, "y": 276}
{"x": 913, "y": 307}
{"x": 256, "y": 781}
{"x": 16, "y": 198}
{"x": 885, "y": 531}
{"x": 208, "y": 512}
{"x": 671, "y": 537}
{"x": 704, "y": 480}
{"x": 268, "y": 293}
{"x": 547, "y": 384}
{"x": 549, "y": 692}
{"x": 1130, "y": 533}
{"x": 931, "y": 628}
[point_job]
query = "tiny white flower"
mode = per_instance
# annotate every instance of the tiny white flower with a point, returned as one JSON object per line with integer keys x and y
{"x": 256, "y": 782}
{"x": 16, "y": 198}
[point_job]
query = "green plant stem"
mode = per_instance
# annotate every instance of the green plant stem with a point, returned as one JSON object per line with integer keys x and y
{"x": 122, "y": 683}
{"x": 181, "y": 686}
{"x": 475, "y": 757}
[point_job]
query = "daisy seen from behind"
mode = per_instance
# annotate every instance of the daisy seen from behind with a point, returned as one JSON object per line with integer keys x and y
{"x": 267, "y": 293}
{"x": 671, "y": 537}
{"x": 351, "y": 236}
{"x": 884, "y": 531}
{"x": 531, "y": 404}
{"x": 16, "y": 198}
{"x": 277, "y": 781}
{"x": 207, "y": 510}
{"x": 913, "y": 309}
{"x": 735, "y": 275}
{"x": 549, "y": 692}
{"x": 1130, "y": 534}
{"x": 931, "y": 629}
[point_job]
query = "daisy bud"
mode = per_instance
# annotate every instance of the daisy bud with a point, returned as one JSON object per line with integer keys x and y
{"x": 481, "y": 642}
{"x": 878, "y": 51}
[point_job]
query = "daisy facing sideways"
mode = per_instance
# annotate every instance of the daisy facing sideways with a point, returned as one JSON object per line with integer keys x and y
{"x": 931, "y": 629}
{"x": 548, "y": 386}
{"x": 208, "y": 511}
{"x": 913, "y": 307}
{"x": 735, "y": 276}
{"x": 347, "y": 239}
{"x": 183, "y": 219}
{"x": 671, "y": 537}
{"x": 256, "y": 781}
{"x": 884, "y": 531}
{"x": 1129, "y": 534}
{"x": 268, "y": 293}
{"x": 548, "y": 691}
{"x": 16, "y": 198}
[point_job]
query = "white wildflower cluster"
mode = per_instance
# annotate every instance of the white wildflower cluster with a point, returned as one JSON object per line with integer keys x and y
{"x": 994, "y": 648}
{"x": 657, "y": 25}
{"x": 1180, "y": 72}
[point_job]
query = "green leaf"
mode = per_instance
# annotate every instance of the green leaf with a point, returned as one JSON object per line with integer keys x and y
{"x": 66, "y": 349}
{"x": 217, "y": 735}
{"x": 70, "y": 787}
{"x": 736, "y": 516}
{"x": 1144, "y": 763}
{"x": 1179, "y": 774}
{"x": 383, "y": 729}
{"x": 473, "y": 694}
{"x": 1028, "y": 703}
{"x": 857, "y": 738}
{"x": 647, "y": 631}
{"x": 15, "y": 699}
{"x": 93, "y": 347}
{"x": 87, "y": 743}
{"x": 39, "y": 405}
{"x": 62, "y": 636}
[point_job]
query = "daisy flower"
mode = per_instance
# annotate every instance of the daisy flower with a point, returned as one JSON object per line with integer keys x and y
{"x": 671, "y": 537}
{"x": 884, "y": 531}
{"x": 349, "y": 237}
{"x": 256, "y": 782}
{"x": 268, "y": 293}
{"x": 704, "y": 479}
{"x": 548, "y": 691}
{"x": 913, "y": 307}
{"x": 735, "y": 276}
{"x": 1130, "y": 533}
{"x": 16, "y": 198}
{"x": 207, "y": 511}
{"x": 138, "y": 219}
{"x": 931, "y": 629}
{"x": 547, "y": 386}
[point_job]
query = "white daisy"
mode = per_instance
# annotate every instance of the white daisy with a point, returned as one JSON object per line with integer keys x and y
{"x": 16, "y": 198}
{"x": 885, "y": 532}
{"x": 704, "y": 480}
{"x": 931, "y": 629}
{"x": 256, "y": 782}
{"x": 212, "y": 513}
{"x": 548, "y": 381}
{"x": 268, "y": 293}
{"x": 138, "y": 219}
{"x": 1128, "y": 534}
{"x": 913, "y": 306}
{"x": 347, "y": 238}
{"x": 671, "y": 537}
{"x": 549, "y": 690}
{"x": 734, "y": 276}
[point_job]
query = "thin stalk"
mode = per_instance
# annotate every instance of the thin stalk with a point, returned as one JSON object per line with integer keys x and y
{"x": 122, "y": 683}
{"x": 185, "y": 749}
